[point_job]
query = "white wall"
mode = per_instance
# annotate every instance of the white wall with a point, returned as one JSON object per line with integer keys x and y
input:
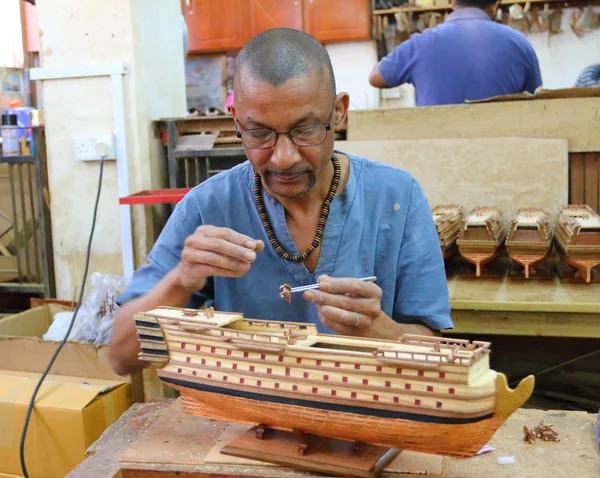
{"x": 146, "y": 34}
{"x": 562, "y": 58}
{"x": 352, "y": 62}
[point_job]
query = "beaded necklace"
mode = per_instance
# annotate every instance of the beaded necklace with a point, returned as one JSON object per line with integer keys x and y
{"x": 320, "y": 225}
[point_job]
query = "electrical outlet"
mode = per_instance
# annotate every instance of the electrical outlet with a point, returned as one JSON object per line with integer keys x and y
{"x": 86, "y": 150}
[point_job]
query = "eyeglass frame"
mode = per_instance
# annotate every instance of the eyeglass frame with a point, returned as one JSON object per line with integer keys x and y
{"x": 277, "y": 133}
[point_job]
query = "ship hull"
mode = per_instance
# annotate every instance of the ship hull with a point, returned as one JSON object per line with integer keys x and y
{"x": 528, "y": 258}
{"x": 420, "y": 433}
{"x": 480, "y": 258}
{"x": 584, "y": 263}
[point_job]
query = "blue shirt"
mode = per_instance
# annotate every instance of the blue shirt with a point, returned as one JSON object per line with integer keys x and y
{"x": 379, "y": 225}
{"x": 589, "y": 77}
{"x": 468, "y": 57}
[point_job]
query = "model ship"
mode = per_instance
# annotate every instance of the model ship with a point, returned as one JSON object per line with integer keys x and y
{"x": 427, "y": 394}
{"x": 447, "y": 219}
{"x": 529, "y": 239}
{"x": 481, "y": 236}
{"x": 578, "y": 238}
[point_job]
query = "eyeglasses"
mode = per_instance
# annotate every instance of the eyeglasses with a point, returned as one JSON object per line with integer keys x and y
{"x": 305, "y": 135}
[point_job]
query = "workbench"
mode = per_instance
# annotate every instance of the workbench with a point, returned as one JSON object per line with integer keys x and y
{"x": 157, "y": 440}
{"x": 507, "y": 305}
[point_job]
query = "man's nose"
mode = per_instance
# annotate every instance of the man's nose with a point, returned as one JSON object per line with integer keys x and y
{"x": 285, "y": 153}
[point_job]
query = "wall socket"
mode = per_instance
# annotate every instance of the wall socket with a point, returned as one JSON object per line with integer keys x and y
{"x": 86, "y": 147}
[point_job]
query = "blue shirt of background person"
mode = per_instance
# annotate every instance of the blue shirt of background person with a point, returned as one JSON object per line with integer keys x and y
{"x": 286, "y": 111}
{"x": 468, "y": 57}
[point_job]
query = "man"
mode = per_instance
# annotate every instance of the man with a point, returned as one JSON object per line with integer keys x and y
{"x": 468, "y": 57}
{"x": 324, "y": 216}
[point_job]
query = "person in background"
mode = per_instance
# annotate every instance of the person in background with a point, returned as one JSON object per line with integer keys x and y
{"x": 468, "y": 57}
{"x": 589, "y": 76}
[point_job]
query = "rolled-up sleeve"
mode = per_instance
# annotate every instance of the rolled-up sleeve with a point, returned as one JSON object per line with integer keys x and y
{"x": 421, "y": 287}
{"x": 166, "y": 253}
{"x": 395, "y": 68}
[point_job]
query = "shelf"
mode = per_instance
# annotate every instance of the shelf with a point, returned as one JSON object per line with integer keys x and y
{"x": 432, "y": 8}
{"x": 156, "y": 196}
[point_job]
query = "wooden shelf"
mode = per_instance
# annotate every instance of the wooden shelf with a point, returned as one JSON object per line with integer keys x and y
{"x": 432, "y": 8}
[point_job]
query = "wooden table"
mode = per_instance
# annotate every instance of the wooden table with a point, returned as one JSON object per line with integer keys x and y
{"x": 149, "y": 436}
{"x": 510, "y": 306}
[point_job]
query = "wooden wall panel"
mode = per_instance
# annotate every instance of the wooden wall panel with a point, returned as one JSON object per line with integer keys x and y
{"x": 504, "y": 172}
{"x": 577, "y": 119}
{"x": 584, "y": 179}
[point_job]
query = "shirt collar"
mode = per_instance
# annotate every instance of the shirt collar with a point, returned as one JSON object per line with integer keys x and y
{"x": 467, "y": 13}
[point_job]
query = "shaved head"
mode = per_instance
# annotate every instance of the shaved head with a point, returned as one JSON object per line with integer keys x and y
{"x": 281, "y": 54}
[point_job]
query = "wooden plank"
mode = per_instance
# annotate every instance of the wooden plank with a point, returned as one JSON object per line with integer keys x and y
{"x": 576, "y": 178}
{"x": 509, "y": 172}
{"x": 575, "y": 455}
{"x": 552, "y": 296}
{"x": 576, "y": 119}
{"x": 533, "y": 324}
{"x": 590, "y": 162}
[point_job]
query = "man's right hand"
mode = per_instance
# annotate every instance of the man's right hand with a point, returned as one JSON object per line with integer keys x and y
{"x": 215, "y": 251}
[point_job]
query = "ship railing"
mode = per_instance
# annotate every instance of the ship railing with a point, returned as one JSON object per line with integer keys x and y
{"x": 443, "y": 342}
{"x": 425, "y": 359}
{"x": 218, "y": 333}
{"x": 279, "y": 325}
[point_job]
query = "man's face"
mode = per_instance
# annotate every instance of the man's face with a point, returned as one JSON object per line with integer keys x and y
{"x": 287, "y": 170}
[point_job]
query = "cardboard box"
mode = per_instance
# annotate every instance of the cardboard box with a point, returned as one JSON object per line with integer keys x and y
{"x": 70, "y": 414}
{"x": 23, "y": 349}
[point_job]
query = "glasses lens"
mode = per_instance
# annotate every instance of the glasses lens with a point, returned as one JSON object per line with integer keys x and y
{"x": 309, "y": 134}
{"x": 259, "y": 138}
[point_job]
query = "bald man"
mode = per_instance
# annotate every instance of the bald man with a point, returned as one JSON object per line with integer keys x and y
{"x": 325, "y": 216}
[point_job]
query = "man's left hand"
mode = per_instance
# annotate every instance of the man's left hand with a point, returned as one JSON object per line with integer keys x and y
{"x": 351, "y": 307}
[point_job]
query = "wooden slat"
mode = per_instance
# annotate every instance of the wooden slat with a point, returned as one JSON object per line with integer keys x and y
{"x": 576, "y": 178}
{"x": 590, "y": 162}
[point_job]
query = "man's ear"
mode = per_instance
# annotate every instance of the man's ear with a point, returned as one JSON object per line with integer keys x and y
{"x": 342, "y": 103}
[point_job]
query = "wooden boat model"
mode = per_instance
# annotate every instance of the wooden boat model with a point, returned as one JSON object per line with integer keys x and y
{"x": 578, "y": 238}
{"x": 427, "y": 394}
{"x": 529, "y": 238}
{"x": 481, "y": 236}
{"x": 447, "y": 219}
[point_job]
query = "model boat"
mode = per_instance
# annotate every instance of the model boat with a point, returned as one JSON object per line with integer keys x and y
{"x": 578, "y": 238}
{"x": 481, "y": 236}
{"x": 529, "y": 239}
{"x": 447, "y": 219}
{"x": 427, "y": 394}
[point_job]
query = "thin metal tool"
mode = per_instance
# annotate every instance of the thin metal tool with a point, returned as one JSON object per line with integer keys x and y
{"x": 287, "y": 291}
{"x": 316, "y": 286}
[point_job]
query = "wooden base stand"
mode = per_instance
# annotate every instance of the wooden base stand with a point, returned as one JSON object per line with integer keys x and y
{"x": 571, "y": 275}
{"x": 537, "y": 272}
{"x": 311, "y": 452}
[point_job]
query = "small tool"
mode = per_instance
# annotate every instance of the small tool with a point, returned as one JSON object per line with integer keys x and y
{"x": 287, "y": 291}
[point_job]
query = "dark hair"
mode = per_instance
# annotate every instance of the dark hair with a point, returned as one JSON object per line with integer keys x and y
{"x": 475, "y": 3}
{"x": 280, "y": 54}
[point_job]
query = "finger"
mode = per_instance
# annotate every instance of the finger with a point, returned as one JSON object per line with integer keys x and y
{"x": 260, "y": 246}
{"x": 203, "y": 271}
{"x": 368, "y": 306}
{"x": 349, "y": 286}
{"x": 229, "y": 235}
{"x": 338, "y": 328}
{"x": 345, "y": 318}
{"x": 220, "y": 246}
{"x": 199, "y": 258}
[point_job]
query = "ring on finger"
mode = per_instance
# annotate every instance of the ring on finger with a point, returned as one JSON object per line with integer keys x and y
{"x": 357, "y": 320}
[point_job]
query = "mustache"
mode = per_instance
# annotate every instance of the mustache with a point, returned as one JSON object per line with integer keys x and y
{"x": 287, "y": 173}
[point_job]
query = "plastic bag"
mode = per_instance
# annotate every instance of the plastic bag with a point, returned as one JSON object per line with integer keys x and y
{"x": 96, "y": 314}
